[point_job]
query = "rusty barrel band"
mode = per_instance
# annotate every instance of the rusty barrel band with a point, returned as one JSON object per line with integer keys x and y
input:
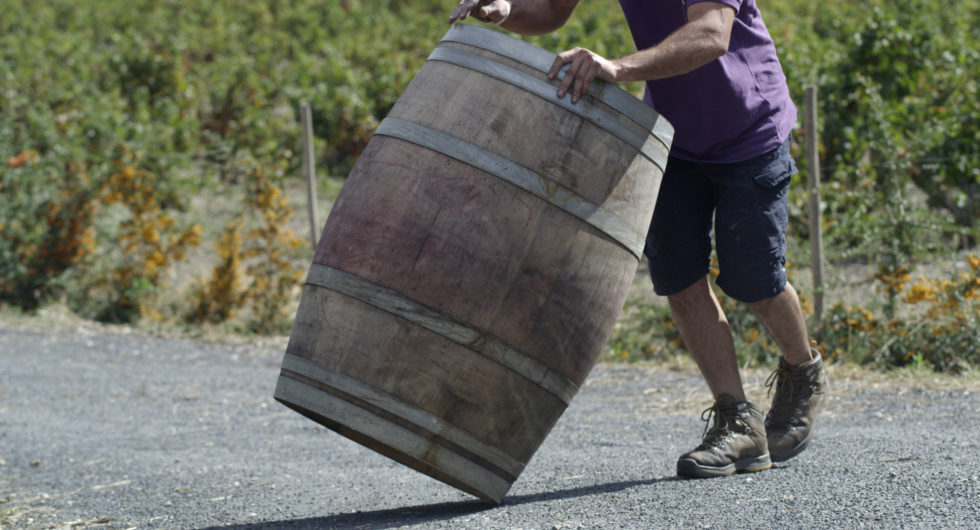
{"x": 406, "y": 441}
{"x": 440, "y": 323}
{"x": 510, "y": 466}
{"x": 520, "y": 176}
{"x": 542, "y": 60}
{"x": 639, "y": 139}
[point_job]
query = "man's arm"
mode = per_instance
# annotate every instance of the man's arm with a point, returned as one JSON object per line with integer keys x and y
{"x": 525, "y": 17}
{"x": 703, "y": 39}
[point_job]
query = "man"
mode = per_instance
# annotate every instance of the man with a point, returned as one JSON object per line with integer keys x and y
{"x": 711, "y": 69}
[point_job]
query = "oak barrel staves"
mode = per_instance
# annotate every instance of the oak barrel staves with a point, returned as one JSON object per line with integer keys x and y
{"x": 475, "y": 262}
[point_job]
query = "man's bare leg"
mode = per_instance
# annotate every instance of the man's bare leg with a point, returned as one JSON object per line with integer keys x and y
{"x": 708, "y": 337}
{"x": 799, "y": 385}
{"x": 783, "y": 318}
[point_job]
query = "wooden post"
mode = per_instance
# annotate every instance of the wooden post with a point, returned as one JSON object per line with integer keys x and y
{"x": 813, "y": 185}
{"x": 309, "y": 171}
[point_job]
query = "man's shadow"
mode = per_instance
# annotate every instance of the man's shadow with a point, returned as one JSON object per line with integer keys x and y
{"x": 412, "y": 515}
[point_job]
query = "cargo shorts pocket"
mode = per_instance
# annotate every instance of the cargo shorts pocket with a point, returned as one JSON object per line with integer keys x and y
{"x": 775, "y": 174}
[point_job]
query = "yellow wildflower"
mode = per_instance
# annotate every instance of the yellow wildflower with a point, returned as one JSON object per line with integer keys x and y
{"x": 921, "y": 290}
{"x": 150, "y": 234}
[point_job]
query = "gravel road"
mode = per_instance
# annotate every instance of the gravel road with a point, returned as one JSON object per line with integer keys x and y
{"x": 107, "y": 428}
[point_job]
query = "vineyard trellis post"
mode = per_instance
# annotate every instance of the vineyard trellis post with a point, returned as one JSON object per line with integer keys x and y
{"x": 309, "y": 170}
{"x": 813, "y": 187}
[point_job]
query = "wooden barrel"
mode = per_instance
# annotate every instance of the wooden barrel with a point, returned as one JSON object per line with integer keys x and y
{"x": 475, "y": 262}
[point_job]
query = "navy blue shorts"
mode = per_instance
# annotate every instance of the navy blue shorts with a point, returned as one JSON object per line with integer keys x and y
{"x": 748, "y": 204}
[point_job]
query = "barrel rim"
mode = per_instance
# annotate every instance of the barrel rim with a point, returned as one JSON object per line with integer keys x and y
{"x": 517, "y": 175}
{"x": 498, "y": 461}
{"x": 391, "y": 440}
{"x": 653, "y": 149}
{"x": 476, "y": 340}
{"x": 542, "y": 60}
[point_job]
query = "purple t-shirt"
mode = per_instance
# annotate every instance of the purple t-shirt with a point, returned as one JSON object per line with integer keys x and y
{"x": 729, "y": 110}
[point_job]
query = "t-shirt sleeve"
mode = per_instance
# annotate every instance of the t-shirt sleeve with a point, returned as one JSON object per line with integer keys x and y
{"x": 735, "y": 4}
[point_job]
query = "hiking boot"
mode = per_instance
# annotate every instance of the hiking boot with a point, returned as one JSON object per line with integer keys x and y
{"x": 736, "y": 441}
{"x": 799, "y": 391}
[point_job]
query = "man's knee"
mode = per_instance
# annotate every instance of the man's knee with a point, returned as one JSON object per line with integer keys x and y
{"x": 766, "y": 303}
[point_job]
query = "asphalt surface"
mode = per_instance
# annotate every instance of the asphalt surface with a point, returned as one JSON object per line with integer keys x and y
{"x": 102, "y": 428}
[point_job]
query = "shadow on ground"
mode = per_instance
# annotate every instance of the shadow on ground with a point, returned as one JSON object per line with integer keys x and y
{"x": 397, "y": 517}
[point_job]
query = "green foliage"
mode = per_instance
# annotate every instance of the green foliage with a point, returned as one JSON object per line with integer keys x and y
{"x": 198, "y": 94}
{"x": 644, "y": 331}
{"x": 899, "y": 108}
{"x": 900, "y": 119}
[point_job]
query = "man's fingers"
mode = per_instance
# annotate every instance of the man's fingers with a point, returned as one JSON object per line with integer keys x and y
{"x": 484, "y": 14}
{"x": 561, "y": 60}
{"x": 493, "y": 12}
{"x": 583, "y": 74}
{"x": 556, "y": 66}
{"x": 566, "y": 82}
{"x": 463, "y": 10}
{"x": 583, "y": 81}
{"x": 489, "y": 11}
{"x": 582, "y": 69}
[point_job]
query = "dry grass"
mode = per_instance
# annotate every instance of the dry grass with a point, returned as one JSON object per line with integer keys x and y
{"x": 678, "y": 389}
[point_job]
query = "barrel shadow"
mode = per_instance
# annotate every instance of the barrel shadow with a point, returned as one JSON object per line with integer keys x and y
{"x": 413, "y": 515}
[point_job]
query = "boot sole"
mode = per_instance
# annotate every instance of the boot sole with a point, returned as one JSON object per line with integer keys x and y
{"x": 782, "y": 457}
{"x": 689, "y": 468}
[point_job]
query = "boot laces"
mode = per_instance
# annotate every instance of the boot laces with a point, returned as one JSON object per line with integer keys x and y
{"x": 721, "y": 424}
{"x": 793, "y": 388}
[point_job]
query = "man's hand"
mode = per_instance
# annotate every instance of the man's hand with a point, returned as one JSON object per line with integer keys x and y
{"x": 584, "y": 66}
{"x": 489, "y": 11}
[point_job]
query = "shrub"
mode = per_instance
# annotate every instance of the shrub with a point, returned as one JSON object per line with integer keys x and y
{"x": 147, "y": 242}
{"x": 220, "y": 297}
{"x": 112, "y": 117}
{"x": 941, "y": 329}
{"x": 257, "y": 265}
{"x": 46, "y": 226}
{"x": 275, "y": 279}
